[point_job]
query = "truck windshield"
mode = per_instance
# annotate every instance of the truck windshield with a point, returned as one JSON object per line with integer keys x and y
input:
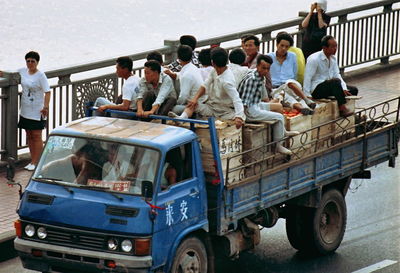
{"x": 99, "y": 164}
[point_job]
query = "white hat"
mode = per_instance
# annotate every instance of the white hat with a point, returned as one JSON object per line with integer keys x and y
{"x": 323, "y": 4}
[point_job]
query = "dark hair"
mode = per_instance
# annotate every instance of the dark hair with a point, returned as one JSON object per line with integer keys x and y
{"x": 266, "y": 58}
{"x": 185, "y": 53}
{"x": 219, "y": 56}
{"x": 125, "y": 62}
{"x": 153, "y": 65}
{"x": 244, "y": 36}
{"x": 155, "y": 55}
{"x": 284, "y": 36}
{"x": 325, "y": 40}
{"x": 252, "y": 37}
{"x": 237, "y": 56}
{"x": 188, "y": 40}
{"x": 32, "y": 55}
{"x": 205, "y": 56}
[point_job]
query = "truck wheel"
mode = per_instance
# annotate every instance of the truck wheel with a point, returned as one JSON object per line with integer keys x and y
{"x": 329, "y": 223}
{"x": 298, "y": 227}
{"x": 191, "y": 256}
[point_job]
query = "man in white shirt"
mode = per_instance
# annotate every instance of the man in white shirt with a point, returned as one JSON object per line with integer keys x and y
{"x": 223, "y": 98}
{"x": 156, "y": 91}
{"x": 129, "y": 89}
{"x": 237, "y": 57}
{"x": 322, "y": 77}
{"x": 189, "y": 78}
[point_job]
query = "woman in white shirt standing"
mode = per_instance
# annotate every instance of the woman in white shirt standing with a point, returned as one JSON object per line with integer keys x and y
{"x": 34, "y": 105}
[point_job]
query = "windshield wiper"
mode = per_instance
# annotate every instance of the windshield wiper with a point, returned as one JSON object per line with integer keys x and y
{"x": 54, "y": 180}
{"x": 102, "y": 188}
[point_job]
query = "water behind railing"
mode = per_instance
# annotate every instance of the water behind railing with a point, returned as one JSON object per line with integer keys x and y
{"x": 365, "y": 33}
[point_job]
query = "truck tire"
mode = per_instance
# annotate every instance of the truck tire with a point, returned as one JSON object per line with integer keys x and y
{"x": 191, "y": 256}
{"x": 321, "y": 230}
{"x": 298, "y": 227}
{"x": 329, "y": 223}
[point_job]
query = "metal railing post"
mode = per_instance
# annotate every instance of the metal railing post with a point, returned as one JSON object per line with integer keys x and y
{"x": 9, "y": 116}
{"x": 300, "y": 34}
{"x": 172, "y": 55}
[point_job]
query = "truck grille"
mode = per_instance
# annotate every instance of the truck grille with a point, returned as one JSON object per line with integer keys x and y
{"x": 76, "y": 238}
{"x": 68, "y": 238}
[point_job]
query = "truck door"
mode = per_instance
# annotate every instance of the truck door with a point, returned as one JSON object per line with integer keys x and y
{"x": 181, "y": 197}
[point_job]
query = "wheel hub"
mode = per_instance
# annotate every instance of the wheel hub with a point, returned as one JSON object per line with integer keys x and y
{"x": 190, "y": 263}
{"x": 330, "y": 222}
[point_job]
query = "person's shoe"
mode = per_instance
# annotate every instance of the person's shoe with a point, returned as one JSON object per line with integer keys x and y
{"x": 292, "y": 133}
{"x": 310, "y": 103}
{"x": 282, "y": 150}
{"x": 359, "y": 119}
{"x": 344, "y": 112}
{"x": 27, "y": 166}
{"x": 306, "y": 111}
{"x": 172, "y": 115}
{"x": 31, "y": 167}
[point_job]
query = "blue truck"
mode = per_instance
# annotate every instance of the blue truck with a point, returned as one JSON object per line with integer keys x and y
{"x": 119, "y": 195}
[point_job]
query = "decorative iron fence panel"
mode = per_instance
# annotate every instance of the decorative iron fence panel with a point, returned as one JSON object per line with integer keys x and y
{"x": 361, "y": 40}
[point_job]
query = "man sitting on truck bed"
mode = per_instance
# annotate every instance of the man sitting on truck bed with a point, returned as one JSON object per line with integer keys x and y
{"x": 130, "y": 89}
{"x": 252, "y": 91}
{"x": 283, "y": 74}
{"x": 156, "y": 91}
{"x": 322, "y": 77}
{"x": 223, "y": 99}
{"x": 189, "y": 78}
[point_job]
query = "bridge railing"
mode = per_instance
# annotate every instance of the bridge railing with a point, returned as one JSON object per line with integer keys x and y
{"x": 365, "y": 33}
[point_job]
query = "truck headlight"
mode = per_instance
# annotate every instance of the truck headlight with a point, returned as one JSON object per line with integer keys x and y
{"x": 42, "y": 233}
{"x": 126, "y": 245}
{"x": 29, "y": 230}
{"x": 112, "y": 244}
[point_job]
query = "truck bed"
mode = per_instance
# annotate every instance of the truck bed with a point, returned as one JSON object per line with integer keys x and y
{"x": 275, "y": 179}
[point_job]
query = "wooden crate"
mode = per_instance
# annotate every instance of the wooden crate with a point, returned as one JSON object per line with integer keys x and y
{"x": 323, "y": 113}
{"x": 345, "y": 126}
{"x": 299, "y": 123}
{"x": 229, "y": 143}
{"x": 256, "y": 136}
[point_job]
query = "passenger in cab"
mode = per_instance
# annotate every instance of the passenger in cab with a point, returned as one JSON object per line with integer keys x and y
{"x": 156, "y": 91}
{"x": 130, "y": 89}
{"x": 322, "y": 77}
{"x": 223, "y": 99}
{"x": 252, "y": 92}
{"x": 283, "y": 74}
{"x": 189, "y": 78}
{"x": 237, "y": 57}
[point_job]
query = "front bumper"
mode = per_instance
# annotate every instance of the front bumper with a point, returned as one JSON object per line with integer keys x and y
{"x": 67, "y": 258}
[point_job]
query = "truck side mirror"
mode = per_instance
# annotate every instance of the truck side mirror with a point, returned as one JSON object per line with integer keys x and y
{"x": 147, "y": 189}
{"x": 10, "y": 169}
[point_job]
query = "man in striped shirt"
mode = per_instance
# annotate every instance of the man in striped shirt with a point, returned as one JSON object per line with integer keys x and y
{"x": 253, "y": 94}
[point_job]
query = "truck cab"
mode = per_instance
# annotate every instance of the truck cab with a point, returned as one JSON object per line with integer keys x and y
{"x": 112, "y": 195}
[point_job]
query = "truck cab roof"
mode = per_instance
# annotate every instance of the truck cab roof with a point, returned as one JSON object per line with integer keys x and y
{"x": 149, "y": 134}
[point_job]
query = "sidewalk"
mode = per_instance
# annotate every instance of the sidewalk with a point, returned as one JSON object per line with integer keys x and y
{"x": 374, "y": 87}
